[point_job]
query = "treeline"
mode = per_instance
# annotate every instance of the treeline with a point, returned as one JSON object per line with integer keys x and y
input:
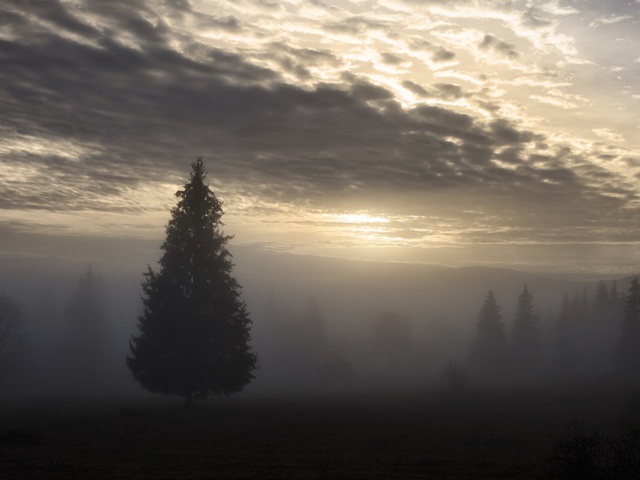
{"x": 597, "y": 334}
{"x": 592, "y": 331}
{"x": 72, "y": 351}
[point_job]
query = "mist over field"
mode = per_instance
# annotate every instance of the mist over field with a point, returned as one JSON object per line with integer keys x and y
{"x": 315, "y": 324}
{"x": 381, "y": 352}
{"x": 407, "y": 246}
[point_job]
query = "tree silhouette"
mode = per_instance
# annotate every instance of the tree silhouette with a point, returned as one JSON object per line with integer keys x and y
{"x": 628, "y": 354}
{"x": 565, "y": 327}
{"x": 393, "y": 333}
{"x": 526, "y": 333}
{"x": 489, "y": 351}
{"x": 195, "y": 329}
{"x": 86, "y": 342}
{"x": 12, "y": 333}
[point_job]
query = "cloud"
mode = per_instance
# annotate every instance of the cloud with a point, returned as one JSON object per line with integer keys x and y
{"x": 126, "y": 100}
{"x": 392, "y": 58}
{"x": 609, "y": 20}
{"x": 449, "y": 91}
{"x": 355, "y": 25}
{"x": 438, "y": 53}
{"x": 609, "y": 135}
{"x": 416, "y": 88}
{"x": 494, "y": 44}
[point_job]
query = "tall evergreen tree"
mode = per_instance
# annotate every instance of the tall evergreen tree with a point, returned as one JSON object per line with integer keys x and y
{"x": 614, "y": 297}
{"x": 393, "y": 334}
{"x": 526, "y": 332}
{"x": 489, "y": 351}
{"x": 12, "y": 334}
{"x": 564, "y": 326}
{"x": 628, "y": 358}
{"x": 616, "y": 303}
{"x": 86, "y": 342}
{"x": 195, "y": 328}
{"x": 600, "y": 305}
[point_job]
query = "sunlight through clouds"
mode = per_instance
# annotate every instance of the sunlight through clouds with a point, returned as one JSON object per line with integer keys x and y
{"x": 312, "y": 116}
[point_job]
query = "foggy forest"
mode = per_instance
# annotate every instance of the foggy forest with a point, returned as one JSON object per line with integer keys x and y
{"x": 354, "y": 326}
{"x": 309, "y": 239}
{"x": 417, "y": 339}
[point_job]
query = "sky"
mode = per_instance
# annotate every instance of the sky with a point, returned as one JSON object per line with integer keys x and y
{"x": 498, "y": 133}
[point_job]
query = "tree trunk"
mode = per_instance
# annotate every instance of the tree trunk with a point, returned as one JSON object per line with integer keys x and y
{"x": 188, "y": 400}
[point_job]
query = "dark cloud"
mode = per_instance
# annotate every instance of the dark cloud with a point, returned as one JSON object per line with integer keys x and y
{"x": 308, "y": 56}
{"x": 492, "y": 43}
{"x": 355, "y": 25}
{"x": 505, "y": 133}
{"x": 449, "y": 91}
{"x": 533, "y": 18}
{"x": 391, "y": 58}
{"x": 442, "y": 55}
{"x": 416, "y": 88}
{"x": 298, "y": 61}
{"x": 229, "y": 24}
{"x": 139, "y": 113}
{"x": 438, "y": 53}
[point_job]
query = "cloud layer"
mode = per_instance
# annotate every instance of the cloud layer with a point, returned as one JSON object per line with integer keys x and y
{"x": 466, "y": 124}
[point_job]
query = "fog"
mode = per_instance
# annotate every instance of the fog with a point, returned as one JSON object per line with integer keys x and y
{"x": 321, "y": 326}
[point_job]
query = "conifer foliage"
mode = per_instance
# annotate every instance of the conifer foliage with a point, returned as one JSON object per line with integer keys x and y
{"x": 489, "y": 351}
{"x": 87, "y": 343}
{"x": 195, "y": 328}
{"x": 628, "y": 361}
{"x": 526, "y": 332}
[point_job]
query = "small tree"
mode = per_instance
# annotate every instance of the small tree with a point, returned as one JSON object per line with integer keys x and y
{"x": 195, "y": 329}
{"x": 86, "y": 339}
{"x": 489, "y": 351}
{"x": 454, "y": 376}
{"x": 393, "y": 333}
{"x": 565, "y": 331}
{"x": 628, "y": 354}
{"x": 12, "y": 334}
{"x": 600, "y": 305}
{"x": 526, "y": 332}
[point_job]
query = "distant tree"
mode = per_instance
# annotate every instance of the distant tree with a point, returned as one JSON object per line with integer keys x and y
{"x": 454, "y": 376}
{"x": 306, "y": 340}
{"x": 600, "y": 305}
{"x": 86, "y": 340}
{"x": 393, "y": 333}
{"x": 526, "y": 332}
{"x": 12, "y": 333}
{"x": 565, "y": 331}
{"x": 195, "y": 329}
{"x": 315, "y": 325}
{"x": 616, "y": 303}
{"x": 584, "y": 306}
{"x": 628, "y": 354}
{"x": 489, "y": 351}
{"x": 614, "y": 296}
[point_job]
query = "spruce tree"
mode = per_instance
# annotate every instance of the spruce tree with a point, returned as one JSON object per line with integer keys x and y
{"x": 195, "y": 328}
{"x": 628, "y": 358}
{"x": 565, "y": 330}
{"x": 12, "y": 334}
{"x": 87, "y": 340}
{"x": 489, "y": 353}
{"x": 526, "y": 332}
{"x": 600, "y": 305}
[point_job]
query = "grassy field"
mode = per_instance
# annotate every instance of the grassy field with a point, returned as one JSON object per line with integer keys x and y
{"x": 475, "y": 434}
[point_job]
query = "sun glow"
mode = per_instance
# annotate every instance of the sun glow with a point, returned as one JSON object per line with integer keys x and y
{"x": 357, "y": 218}
{"x": 362, "y": 228}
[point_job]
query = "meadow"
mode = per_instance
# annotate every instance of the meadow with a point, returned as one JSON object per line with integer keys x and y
{"x": 473, "y": 434}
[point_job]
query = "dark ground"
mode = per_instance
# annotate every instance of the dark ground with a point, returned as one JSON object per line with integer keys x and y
{"x": 475, "y": 434}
